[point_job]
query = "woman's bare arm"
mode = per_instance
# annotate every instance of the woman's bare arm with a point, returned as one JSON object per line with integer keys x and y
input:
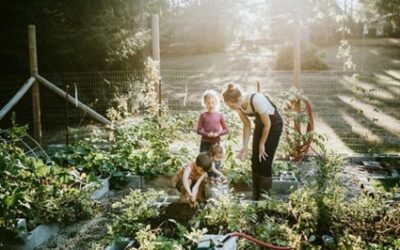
{"x": 246, "y": 134}
{"x": 267, "y": 126}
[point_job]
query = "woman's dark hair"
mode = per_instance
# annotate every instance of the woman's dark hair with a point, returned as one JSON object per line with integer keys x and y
{"x": 204, "y": 161}
{"x": 231, "y": 93}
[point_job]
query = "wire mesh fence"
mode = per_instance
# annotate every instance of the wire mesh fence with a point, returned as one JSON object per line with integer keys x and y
{"x": 357, "y": 116}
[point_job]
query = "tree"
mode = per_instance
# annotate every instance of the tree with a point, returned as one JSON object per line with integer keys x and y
{"x": 77, "y": 35}
{"x": 198, "y": 25}
{"x": 375, "y": 8}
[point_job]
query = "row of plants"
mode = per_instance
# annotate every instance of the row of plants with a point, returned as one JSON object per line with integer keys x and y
{"x": 145, "y": 149}
{"x": 144, "y": 146}
{"x": 138, "y": 149}
{"x": 140, "y": 216}
{"x": 132, "y": 146}
{"x": 319, "y": 215}
{"x": 38, "y": 191}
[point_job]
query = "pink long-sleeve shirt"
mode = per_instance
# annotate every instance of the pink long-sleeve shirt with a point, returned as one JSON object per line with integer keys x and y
{"x": 211, "y": 122}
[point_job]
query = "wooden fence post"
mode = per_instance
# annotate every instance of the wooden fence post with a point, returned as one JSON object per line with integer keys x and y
{"x": 296, "y": 59}
{"x": 37, "y": 126}
{"x": 296, "y": 52}
{"x": 155, "y": 31}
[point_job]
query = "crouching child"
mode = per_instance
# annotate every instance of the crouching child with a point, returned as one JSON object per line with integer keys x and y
{"x": 191, "y": 179}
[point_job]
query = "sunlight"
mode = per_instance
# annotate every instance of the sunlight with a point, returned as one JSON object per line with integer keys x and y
{"x": 372, "y": 90}
{"x": 374, "y": 52}
{"x": 387, "y": 79}
{"x": 360, "y": 129}
{"x": 378, "y": 118}
{"x": 394, "y": 73}
{"x": 394, "y": 89}
{"x": 395, "y": 61}
{"x": 332, "y": 137}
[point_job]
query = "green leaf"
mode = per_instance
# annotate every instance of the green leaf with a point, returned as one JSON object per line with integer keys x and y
{"x": 11, "y": 200}
{"x": 81, "y": 150}
{"x": 91, "y": 177}
{"x": 65, "y": 177}
{"x": 41, "y": 170}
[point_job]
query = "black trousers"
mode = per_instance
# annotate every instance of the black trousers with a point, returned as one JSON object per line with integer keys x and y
{"x": 264, "y": 168}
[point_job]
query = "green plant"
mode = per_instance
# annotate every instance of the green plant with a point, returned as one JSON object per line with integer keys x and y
{"x": 305, "y": 211}
{"x": 62, "y": 205}
{"x": 141, "y": 97}
{"x": 158, "y": 240}
{"x": 235, "y": 169}
{"x": 39, "y": 192}
{"x": 295, "y": 138}
{"x": 274, "y": 231}
{"x": 133, "y": 212}
{"x": 278, "y": 167}
{"x": 227, "y": 214}
{"x": 350, "y": 241}
{"x": 139, "y": 149}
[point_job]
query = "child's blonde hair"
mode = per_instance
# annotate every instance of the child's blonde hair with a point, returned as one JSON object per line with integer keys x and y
{"x": 215, "y": 149}
{"x": 210, "y": 93}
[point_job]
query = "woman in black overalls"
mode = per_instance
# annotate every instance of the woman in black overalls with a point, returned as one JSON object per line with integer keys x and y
{"x": 268, "y": 129}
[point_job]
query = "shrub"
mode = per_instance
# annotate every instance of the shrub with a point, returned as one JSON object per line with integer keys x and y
{"x": 39, "y": 192}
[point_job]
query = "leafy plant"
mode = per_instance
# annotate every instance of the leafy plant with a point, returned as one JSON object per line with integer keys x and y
{"x": 235, "y": 169}
{"x": 227, "y": 214}
{"x": 156, "y": 239}
{"x": 133, "y": 212}
{"x": 279, "y": 167}
{"x": 274, "y": 231}
{"x": 39, "y": 192}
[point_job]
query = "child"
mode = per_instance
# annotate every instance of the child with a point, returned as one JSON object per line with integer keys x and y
{"x": 211, "y": 125}
{"x": 216, "y": 153}
{"x": 190, "y": 178}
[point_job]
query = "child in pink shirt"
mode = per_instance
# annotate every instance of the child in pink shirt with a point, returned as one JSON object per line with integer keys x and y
{"x": 211, "y": 125}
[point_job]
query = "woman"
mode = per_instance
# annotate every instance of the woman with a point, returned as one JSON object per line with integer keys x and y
{"x": 268, "y": 129}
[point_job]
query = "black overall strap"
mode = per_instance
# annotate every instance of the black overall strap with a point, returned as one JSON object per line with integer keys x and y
{"x": 251, "y": 102}
{"x": 257, "y": 115}
{"x": 252, "y": 106}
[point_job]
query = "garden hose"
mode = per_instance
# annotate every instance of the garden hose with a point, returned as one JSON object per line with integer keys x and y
{"x": 254, "y": 240}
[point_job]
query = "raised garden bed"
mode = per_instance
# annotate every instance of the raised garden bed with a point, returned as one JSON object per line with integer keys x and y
{"x": 135, "y": 181}
{"x": 284, "y": 184}
{"x": 160, "y": 181}
{"x": 105, "y": 187}
{"x": 43, "y": 232}
{"x": 381, "y": 174}
{"x": 119, "y": 244}
{"x": 36, "y": 237}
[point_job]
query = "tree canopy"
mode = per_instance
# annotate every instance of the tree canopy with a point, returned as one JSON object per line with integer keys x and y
{"x": 76, "y": 35}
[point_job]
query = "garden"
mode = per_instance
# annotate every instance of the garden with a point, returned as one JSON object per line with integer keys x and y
{"x": 92, "y": 158}
{"x": 320, "y": 208}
